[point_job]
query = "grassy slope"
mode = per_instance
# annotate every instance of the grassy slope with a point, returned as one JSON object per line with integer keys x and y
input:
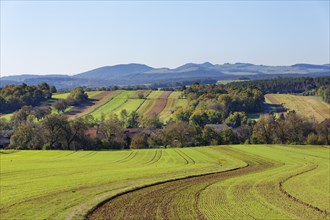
{"x": 149, "y": 102}
{"x": 258, "y": 194}
{"x": 257, "y": 191}
{"x": 7, "y": 116}
{"x": 58, "y": 184}
{"x": 130, "y": 106}
{"x": 309, "y": 106}
{"x": 114, "y": 104}
{"x": 173, "y": 102}
{"x": 60, "y": 95}
{"x": 53, "y": 184}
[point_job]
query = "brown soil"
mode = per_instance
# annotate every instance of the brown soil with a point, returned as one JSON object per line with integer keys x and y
{"x": 161, "y": 201}
{"x": 160, "y": 104}
{"x": 79, "y": 109}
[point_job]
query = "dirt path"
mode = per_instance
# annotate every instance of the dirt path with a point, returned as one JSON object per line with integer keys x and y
{"x": 160, "y": 104}
{"x": 279, "y": 109}
{"x": 161, "y": 201}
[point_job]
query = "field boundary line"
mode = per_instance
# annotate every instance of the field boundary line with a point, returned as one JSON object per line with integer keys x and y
{"x": 108, "y": 100}
{"x": 286, "y": 193}
{"x": 136, "y": 188}
{"x": 140, "y": 105}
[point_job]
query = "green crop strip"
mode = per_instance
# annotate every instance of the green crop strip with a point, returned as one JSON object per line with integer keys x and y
{"x": 274, "y": 182}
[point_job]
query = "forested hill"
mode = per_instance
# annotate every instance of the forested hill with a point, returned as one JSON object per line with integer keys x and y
{"x": 303, "y": 85}
{"x": 140, "y": 74}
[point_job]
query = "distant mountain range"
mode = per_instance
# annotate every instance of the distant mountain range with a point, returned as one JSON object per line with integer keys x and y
{"x": 140, "y": 74}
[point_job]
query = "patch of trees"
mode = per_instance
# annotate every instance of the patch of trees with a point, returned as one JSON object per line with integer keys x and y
{"x": 302, "y": 85}
{"x": 76, "y": 97}
{"x": 212, "y": 104}
{"x": 292, "y": 129}
{"x": 324, "y": 91}
{"x": 57, "y": 132}
{"x": 13, "y": 97}
{"x": 215, "y": 114}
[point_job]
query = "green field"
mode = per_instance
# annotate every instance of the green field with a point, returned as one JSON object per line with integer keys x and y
{"x": 226, "y": 81}
{"x": 114, "y": 104}
{"x": 60, "y": 95}
{"x": 173, "y": 102}
{"x": 116, "y": 101}
{"x": 7, "y": 116}
{"x": 154, "y": 94}
{"x": 65, "y": 95}
{"x": 307, "y": 106}
{"x": 271, "y": 182}
{"x": 130, "y": 106}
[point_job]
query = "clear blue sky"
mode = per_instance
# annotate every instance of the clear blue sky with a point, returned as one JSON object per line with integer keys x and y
{"x": 72, "y": 37}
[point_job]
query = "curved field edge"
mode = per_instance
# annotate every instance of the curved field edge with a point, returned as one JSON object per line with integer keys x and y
{"x": 297, "y": 199}
{"x": 130, "y": 203}
{"x": 70, "y": 199}
{"x": 136, "y": 188}
{"x": 71, "y": 177}
{"x": 99, "y": 211}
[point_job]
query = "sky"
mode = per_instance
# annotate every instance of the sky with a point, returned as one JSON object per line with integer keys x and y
{"x": 69, "y": 37}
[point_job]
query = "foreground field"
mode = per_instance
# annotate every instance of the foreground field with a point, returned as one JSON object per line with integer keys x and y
{"x": 307, "y": 106}
{"x": 273, "y": 182}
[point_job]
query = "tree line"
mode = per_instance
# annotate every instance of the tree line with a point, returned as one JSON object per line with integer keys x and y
{"x": 14, "y": 97}
{"x": 215, "y": 114}
{"x": 77, "y": 96}
{"x": 57, "y": 132}
{"x": 303, "y": 85}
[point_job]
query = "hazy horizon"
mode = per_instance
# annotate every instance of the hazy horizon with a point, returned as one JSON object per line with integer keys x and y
{"x": 70, "y": 74}
{"x": 73, "y": 37}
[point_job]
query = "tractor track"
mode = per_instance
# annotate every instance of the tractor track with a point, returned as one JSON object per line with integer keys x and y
{"x": 157, "y": 199}
{"x": 286, "y": 193}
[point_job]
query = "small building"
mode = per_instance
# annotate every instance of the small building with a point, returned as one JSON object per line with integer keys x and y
{"x": 217, "y": 127}
{"x": 5, "y": 138}
{"x": 131, "y": 132}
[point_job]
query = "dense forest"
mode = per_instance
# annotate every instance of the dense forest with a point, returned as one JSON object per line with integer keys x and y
{"x": 304, "y": 85}
{"x": 14, "y": 97}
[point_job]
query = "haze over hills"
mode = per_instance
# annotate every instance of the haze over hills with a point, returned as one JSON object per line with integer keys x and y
{"x": 141, "y": 74}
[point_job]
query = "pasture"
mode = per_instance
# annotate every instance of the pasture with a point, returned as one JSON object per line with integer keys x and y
{"x": 244, "y": 181}
{"x": 307, "y": 106}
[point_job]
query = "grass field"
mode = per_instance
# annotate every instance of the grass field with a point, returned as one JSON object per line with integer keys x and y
{"x": 226, "y": 81}
{"x": 174, "y": 101}
{"x": 154, "y": 94}
{"x": 130, "y": 106}
{"x": 262, "y": 182}
{"x": 114, "y": 104}
{"x": 7, "y": 116}
{"x": 307, "y": 106}
{"x": 60, "y": 95}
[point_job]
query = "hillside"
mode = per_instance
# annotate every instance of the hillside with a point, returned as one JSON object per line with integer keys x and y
{"x": 140, "y": 74}
{"x": 306, "y": 106}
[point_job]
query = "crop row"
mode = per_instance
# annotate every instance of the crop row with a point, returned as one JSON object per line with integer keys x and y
{"x": 274, "y": 185}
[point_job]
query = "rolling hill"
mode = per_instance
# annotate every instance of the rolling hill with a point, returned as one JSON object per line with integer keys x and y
{"x": 140, "y": 74}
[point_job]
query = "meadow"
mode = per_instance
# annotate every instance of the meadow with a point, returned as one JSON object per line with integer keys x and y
{"x": 243, "y": 181}
{"x": 307, "y": 106}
